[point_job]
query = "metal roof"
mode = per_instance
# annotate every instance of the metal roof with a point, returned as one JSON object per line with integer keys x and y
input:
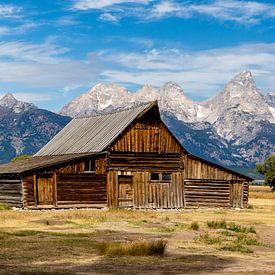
{"x": 34, "y": 163}
{"x": 91, "y": 134}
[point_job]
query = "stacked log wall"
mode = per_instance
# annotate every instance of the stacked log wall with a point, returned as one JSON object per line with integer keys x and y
{"x": 11, "y": 192}
{"x": 85, "y": 189}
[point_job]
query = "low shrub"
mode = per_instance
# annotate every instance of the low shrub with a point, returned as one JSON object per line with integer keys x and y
{"x": 135, "y": 248}
{"x": 230, "y": 226}
{"x": 246, "y": 239}
{"x": 194, "y": 225}
{"x": 217, "y": 224}
{"x": 236, "y": 247}
{"x": 206, "y": 238}
{"x": 242, "y": 229}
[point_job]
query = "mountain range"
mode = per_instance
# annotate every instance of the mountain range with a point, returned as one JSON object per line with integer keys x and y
{"x": 24, "y": 128}
{"x": 236, "y": 128}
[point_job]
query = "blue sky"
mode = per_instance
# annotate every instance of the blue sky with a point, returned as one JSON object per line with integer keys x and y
{"x": 52, "y": 51}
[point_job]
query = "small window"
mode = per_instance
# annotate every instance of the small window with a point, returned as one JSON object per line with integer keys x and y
{"x": 89, "y": 165}
{"x": 166, "y": 177}
{"x": 154, "y": 176}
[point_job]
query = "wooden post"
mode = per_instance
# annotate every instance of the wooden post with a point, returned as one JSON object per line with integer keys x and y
{"x": 35, "y": 190}
{"x": 55, "y": 190}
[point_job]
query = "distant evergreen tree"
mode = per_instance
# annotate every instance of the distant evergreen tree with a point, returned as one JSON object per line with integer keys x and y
{"x": 268, "y": 170}
{"x": 20, "y": 157}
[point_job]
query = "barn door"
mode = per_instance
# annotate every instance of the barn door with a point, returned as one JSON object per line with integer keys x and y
{"x": 45, "y": 190}
{"x": 236, "y": 194}
{"x": 125, "y": 191}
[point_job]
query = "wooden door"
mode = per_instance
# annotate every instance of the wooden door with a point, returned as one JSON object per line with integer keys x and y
{"x": 45, "y": 190}
{"x": 125, "y": 191}
{"x": 236, "y": 194}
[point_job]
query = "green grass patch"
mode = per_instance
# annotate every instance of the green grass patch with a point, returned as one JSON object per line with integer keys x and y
{"x": 208, "y": 239}
{"x": 222, "y": 224}
{"x": 236, "y": 247}
{"x": 4, "y": 207}
{"x": 175, "y": 227}
{"x": 135, "y": 248}
{"x": 217, "y": 224}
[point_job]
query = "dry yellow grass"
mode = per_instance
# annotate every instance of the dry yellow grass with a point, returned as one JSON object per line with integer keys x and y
{"x": 66, "y": 241}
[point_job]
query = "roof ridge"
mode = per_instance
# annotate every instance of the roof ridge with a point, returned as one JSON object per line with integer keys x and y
{"x": 119, "y": 110}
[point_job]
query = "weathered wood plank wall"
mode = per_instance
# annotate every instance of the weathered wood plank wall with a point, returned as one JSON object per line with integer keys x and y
{"x": 147, "y": 193}
{"x": 145, "y": 162}
{"x": 147, "y": 134}
{"x": 81, "y": 189}
{"x": 203, "y": 193}
{"x": 11, "y": 192}
{"x": 197, "y": 169}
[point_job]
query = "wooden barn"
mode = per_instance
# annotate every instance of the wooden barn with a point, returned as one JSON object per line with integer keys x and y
{"x": 127, "y": 158}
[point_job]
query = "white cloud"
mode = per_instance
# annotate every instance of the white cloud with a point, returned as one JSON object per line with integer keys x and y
{"x": 43, "y": 65}
{"x": 66, "y": 21}
{"x": 202, "y": 73}
{"x": 245, "y": 12}
{"x": 242, "y": 12}
{"x": 31, "y": 52}
{"x": 107, "y": 17}
{"x": 100, "y": 4}
{"x": 9, "y": 11}
{"x": 4, "y": 30}
{"x": 32, "y": 97}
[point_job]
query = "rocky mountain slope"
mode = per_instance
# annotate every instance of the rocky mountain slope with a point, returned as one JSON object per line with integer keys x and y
{"x": 235, "y": 128}
{"x": 24, "y": 128}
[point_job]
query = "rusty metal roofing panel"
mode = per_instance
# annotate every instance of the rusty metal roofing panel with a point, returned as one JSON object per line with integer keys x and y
{"x": 91, "y": 134}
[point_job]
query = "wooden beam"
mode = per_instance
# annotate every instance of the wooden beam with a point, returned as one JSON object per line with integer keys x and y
{"x": 35, "y": 190}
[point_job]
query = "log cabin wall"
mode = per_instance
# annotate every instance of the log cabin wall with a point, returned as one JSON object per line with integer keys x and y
{"x": 67, "y": 184}
{"x": 207, "y": 185}
{"x": 11, "y": 192}
{"x": 81, "y": 190}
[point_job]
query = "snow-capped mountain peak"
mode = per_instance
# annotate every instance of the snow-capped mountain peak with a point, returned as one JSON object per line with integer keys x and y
{"x": 231, "y": 113}
{"x": 100, "y": 97}
{"x": 10, "y": 102}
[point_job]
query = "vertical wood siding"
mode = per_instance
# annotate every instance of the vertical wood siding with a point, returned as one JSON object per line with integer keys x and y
{"x": 147, "y": 137}
{"x": 197, "y": 169}
{"x": 148, "y": 193}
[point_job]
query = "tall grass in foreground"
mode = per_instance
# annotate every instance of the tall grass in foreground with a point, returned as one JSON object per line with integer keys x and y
{"x": 135, "y": 248}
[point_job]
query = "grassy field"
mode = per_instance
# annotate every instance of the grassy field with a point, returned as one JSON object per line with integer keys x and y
{"x": 133, "y": 242}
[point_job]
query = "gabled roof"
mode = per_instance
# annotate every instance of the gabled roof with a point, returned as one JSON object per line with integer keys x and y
{"x": 34, "y": 163}
{"x": 92, "y": 134}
